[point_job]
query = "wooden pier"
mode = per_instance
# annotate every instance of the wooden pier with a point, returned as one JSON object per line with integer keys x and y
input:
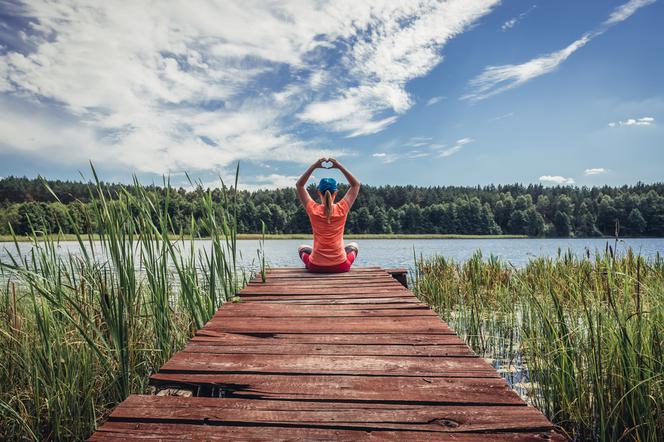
{"x": 351, "y": 356}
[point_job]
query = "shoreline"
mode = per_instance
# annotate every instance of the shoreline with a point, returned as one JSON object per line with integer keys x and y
{"x": 307, "y": 236}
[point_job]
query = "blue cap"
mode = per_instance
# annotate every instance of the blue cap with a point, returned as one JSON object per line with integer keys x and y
{"x": 327, "y": 184}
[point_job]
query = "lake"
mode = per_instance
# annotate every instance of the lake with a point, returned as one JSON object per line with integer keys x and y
{"x": 399, "y": 252}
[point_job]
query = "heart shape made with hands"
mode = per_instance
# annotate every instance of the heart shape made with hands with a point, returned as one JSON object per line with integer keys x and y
{"x": 326, "y": 164}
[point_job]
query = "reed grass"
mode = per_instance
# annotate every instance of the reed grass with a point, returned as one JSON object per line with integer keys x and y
{"x": 580, "y": 337}
{"x": 80, "y": 332}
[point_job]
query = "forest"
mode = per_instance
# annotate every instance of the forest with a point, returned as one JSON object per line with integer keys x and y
{"x": 516, "y": 209}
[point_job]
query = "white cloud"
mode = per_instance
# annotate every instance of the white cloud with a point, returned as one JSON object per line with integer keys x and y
{"x": 386, "y": 157}
{"x": 162, "y": 87}
{"x": 509, "y": 24}
{"x": 272, "y": 181}
{"x": 496, "y": 79}
{"x": 424, "y": 147}
{"x": 456, "y": 148}
{"x": 433, "y": 100}
{"x": 502, "y": 117}
{"x": 595, "y": 171}
{"x": 643, "y": 121}
{"x": 626, "y": 10}
{"x": 556, "y": 179}
{"x": 395, "y": 46}
{"x": 415, "y": 154}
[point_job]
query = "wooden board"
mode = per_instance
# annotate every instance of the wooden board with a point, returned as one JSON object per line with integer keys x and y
{"x": 412, "y": 324}
{"x": 123, "y": 431}
{"x": 304, "y": 356}
{"x": 278, "y": 310}
{"x": 451, "y": 390}
{"x": 377, "y": 416}
{"x": 458, "y": 350}
{"x": 364, "y": 339}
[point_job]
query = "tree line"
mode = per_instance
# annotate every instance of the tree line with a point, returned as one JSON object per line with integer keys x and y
{"x": 533, "y": 210}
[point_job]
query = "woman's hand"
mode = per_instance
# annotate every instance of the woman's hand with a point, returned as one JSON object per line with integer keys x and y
{"x": 319, "y": 162}
{"x": 335, "y": 163}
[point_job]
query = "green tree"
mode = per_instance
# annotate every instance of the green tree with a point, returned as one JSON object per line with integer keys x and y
{"x": 518, "y": 223}
{"x": 562, "y": 223}
{"x": 544, "y": 206}
{"x": 380, "y": 221}
{"x": 635, "y": 222}
{"x": 565, "y": 205}
{"x": 607, "y": 215}
{"x": 585, "y": 222}
{"x": 523, "y": 202}
{"x": 362, "y": 220}
{"x": 535, "y": 222}
{"x": 411, "y": 219}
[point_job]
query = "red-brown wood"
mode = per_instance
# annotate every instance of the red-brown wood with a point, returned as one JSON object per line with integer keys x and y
{"x": 351, "y": 356}
{"x": 326, "y": 338}
{"x": 459, "y": 350}
{"x": 459, "y": 390}
{"x": 435, "y": 418}
{"x": 412, "y": 324}
{"x": 123, "y": 431}
{"x": 297, "y": 311}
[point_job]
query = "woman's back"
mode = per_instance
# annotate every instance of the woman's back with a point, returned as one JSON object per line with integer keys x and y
{"x": 328, "y": 247}
{"x": 328, "y": 253}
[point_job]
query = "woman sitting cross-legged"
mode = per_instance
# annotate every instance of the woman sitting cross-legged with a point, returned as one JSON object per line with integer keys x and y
{"x": 328, "y": 219}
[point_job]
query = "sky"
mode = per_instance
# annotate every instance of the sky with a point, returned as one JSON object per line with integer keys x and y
{"x": 456, "y": 92}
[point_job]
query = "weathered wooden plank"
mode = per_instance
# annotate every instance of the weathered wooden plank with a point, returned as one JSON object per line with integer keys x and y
{"x": 317, "y": 278}
{"x": 458, "y": 350}
{"x": 365, "y": 339}
{"x": 285, "y": 287}
{"x": 413, "y": 324}
{"x": 304, "y": 271}
{"x": 422, "y": 390}
{"x": 320, "y": 276}
{"x": 263, "y": 309}
{"x": 372, "y": 416}
{"x": 307, "y": 275}
{"x": 373, "y": 281}
{"x": 395, "y": 270}
{"x": 335, "y": 300}
{"x": 115, "y": 431}
{"x": 323, "y": 290}
{"x": 327, "y": 364}
{"x": 327, "y": 297}
{"x": 313, "y": 313}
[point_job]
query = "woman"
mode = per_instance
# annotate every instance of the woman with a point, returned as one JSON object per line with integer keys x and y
{"x": 328, "y": 220}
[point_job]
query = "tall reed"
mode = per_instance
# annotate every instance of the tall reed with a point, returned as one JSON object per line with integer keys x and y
{"x": 582, "y": 338}
{"x": 81, "y": 331}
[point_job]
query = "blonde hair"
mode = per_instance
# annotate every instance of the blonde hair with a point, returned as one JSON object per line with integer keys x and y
{"x": 327, "y": 201}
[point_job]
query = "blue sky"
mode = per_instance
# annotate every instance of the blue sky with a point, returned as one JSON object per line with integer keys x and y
{"x": 459, "y": 92}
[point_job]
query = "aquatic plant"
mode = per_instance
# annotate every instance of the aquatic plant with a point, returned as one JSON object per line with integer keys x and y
{"x": 81, "y": 331}
{"x": 580, "y": 337}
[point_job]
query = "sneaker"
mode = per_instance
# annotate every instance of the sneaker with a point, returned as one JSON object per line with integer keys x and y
{"x": 352, "y": 247}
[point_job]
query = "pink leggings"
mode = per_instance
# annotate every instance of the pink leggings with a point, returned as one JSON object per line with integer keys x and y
{"x": 339, "y": 268}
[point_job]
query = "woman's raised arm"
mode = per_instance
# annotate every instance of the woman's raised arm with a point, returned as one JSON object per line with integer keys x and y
{"x": 301, "y": 190}
{"x": 351, "y": 195}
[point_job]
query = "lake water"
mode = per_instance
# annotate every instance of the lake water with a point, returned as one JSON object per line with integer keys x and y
{"x": 400, "y": 252}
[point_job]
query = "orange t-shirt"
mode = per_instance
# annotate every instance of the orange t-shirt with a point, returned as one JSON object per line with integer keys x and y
{"x": 328, "y": 238}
